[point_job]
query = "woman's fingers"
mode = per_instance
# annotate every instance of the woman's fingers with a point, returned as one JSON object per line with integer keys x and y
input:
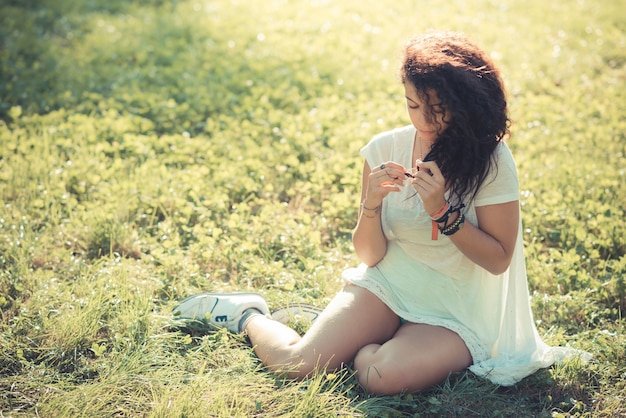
{"x": 386, "y": 178}
{"x": 432, "y": 168}
{"x": 393, "y": 171}
{"x": 429, "y": 183}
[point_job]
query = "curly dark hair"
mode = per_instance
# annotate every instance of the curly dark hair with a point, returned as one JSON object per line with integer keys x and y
{"x": 473, "y": 98}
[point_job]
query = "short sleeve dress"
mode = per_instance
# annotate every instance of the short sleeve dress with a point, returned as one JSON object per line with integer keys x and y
{"x": 430, "y": 281}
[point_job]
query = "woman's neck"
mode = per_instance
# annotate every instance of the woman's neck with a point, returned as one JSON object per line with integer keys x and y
{"x": 421, "y": 148}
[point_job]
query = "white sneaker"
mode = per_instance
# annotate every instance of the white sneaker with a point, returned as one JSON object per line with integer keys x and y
{"x": 222, "y": 310}
{"x": 296, "y": 312}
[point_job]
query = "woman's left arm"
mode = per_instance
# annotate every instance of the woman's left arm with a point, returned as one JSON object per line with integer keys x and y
{"x": 491, "y": 244}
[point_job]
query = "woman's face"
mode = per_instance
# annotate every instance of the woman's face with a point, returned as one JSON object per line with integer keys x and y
{"x": 429, "y": 125}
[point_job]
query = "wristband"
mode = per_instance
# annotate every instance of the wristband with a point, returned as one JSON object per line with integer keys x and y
{"x": 376, "y": 210}
{"x": 439, "y": 213}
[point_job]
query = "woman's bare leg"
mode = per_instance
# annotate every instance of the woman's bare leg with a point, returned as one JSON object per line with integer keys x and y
{"x": 416, "y": 358}
{"x": 354, "y": 319}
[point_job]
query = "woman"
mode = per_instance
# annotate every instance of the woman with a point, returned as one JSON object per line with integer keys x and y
{"x": 442, "y": 285}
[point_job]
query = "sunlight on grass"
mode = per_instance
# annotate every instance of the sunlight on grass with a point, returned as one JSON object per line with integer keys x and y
{"x": 154, "y": 149}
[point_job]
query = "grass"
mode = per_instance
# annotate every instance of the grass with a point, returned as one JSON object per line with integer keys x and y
{"x": 153, "y": 149}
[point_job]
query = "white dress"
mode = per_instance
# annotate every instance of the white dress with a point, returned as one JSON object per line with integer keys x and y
{"x": 432, "y": 282}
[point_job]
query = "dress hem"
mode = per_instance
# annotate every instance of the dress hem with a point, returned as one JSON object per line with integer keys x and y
{"x": 477, "y": 349}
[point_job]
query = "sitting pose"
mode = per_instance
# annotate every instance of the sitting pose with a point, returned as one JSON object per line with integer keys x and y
{"x": 442, "y": 285}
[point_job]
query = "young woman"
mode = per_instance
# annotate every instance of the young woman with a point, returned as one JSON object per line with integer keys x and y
{"x": 442, "y": 285}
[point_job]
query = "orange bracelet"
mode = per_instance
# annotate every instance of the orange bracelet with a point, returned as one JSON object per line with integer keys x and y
{"x": 437, "y": 214}
{"x": 434, "y": 231}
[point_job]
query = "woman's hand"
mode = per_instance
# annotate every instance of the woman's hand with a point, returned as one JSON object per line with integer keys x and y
{"x": 382, "y": 180}
{"x": 430, "y": 184}
{"x": 368, "y": 238}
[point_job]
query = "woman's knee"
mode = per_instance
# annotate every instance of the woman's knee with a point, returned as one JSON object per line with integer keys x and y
{"x": 380, "y": 373}
{"x": 374, "y": 373}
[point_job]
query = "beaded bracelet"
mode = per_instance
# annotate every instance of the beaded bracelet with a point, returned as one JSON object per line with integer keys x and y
{"x": 455, "y": 226}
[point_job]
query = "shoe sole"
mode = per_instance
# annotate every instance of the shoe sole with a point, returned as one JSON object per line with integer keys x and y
{"x": 296, "y": 312}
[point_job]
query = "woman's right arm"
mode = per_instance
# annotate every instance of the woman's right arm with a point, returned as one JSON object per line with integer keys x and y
{"x": 368, "y": 239}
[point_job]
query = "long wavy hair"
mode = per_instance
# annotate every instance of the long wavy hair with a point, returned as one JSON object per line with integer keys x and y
{"x": 473, "y": 101}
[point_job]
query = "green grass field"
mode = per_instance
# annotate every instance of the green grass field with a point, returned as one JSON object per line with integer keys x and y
{"x": 154, "y": 149}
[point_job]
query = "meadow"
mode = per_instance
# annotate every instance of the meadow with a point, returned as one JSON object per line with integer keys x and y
{"x": 154, "y": 149}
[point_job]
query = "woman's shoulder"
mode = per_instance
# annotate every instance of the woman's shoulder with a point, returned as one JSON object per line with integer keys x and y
{"x": 396, "y": 133}
{"x": 504, "y": 157}
{"x": 502, "y": 183}
{"x": 503, "y": 149}
{"x": 389, "y": 138}
{"x": 384, "y": 146}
